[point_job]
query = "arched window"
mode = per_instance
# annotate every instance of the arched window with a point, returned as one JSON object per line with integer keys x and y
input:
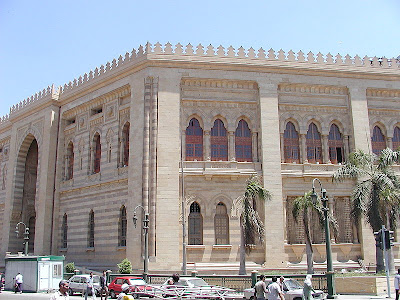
{"x": 243, "y": 142}
{"x": 122, "y": 225}
{"x": 396, "y": 138}
{"x": 335, "y": 144}
{"x": 91, "y": 230}
{"x": 194, "y": 141}
{"x": 221, "y": 225}
{"x": 378, "y": 141}
{"x": 291, "y": 144}
{"x": 65, "y": 231}
{"x": 219, "y": 141}
{"x": 313, "y": 144}
{"x": 97, "y": 154}
{"x": 195, "y": 225}
{"x": 70, "y": 161}
{"x": 125, "y": 141}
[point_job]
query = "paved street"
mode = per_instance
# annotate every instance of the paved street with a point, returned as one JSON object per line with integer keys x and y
{"x": 11, "y": 296}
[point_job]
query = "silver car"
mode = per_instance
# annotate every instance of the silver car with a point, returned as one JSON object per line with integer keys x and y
{"x": 292, "y": 290}
{"x": 78, "y": 283}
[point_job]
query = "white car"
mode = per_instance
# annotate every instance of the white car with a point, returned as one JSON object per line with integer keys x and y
{"x": 77, "y": 284}
{"x": 190, "y": 282}
{"x": 292, "y": 290}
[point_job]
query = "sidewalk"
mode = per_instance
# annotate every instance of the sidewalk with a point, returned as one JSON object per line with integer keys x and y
{"x": 364, "y": 297}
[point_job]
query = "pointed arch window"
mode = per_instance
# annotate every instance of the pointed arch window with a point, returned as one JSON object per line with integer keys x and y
{"x": 91, "y": 230}
{"x": 65, "y": 231}
{"x": 122, "y": 227}
{"x": 335, "y": 144}
{"x": 219, "y": 141}
{"x": 243, "y": 142}
{"x": 97, "y": 154}
{"x": 70, "y": 161}
{"x": 313, "y": 144}
{"x": 291, "y": 144}
{"x": 378, "y": 141}
{"x": 396, "y": 138}
{"x": 221, "y": 225}
{"x": 194, "y": 141}
{"x": 125, "y": 136}
{"x": 195, "y": 225}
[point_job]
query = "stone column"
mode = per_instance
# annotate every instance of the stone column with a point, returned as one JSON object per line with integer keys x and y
{"x": 183, "y": 136}
{"x": 66, "y": 167}
{"x": 207, "y": 145}
{"x": 271, "y": 164}
{"x": 231, "y": 145}
{"x": 346, "y": 147}
{"x": 254, "y": 146}
{"x": 282, "y": 148}
{"x": 121, "y": 152}
{"x": 389, "y": 142}
{"x": 325, "y": 149}
{"x": 362, "y": 141}
{"x": 303, "y": 149}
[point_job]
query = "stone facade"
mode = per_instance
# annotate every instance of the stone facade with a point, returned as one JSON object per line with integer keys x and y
{"x": 77, "y": 160}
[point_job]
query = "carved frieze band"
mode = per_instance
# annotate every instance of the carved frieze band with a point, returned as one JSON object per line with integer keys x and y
{"x": 104, "y": 186}
{"x": 288, "y": 107}
{"x": 383, "y": 93}
{"x": 312, "y": 89}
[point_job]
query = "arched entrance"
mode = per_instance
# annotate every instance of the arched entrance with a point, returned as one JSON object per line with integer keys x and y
{"x": 25, "y": 194}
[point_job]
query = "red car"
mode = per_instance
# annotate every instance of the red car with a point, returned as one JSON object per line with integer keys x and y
{"x": 136, "y": 284}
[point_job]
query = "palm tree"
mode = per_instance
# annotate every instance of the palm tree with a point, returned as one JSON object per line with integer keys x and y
{"x": 376, "y": 194}
{"x": 304, "y": 205}
{"x": 251, "y": 227}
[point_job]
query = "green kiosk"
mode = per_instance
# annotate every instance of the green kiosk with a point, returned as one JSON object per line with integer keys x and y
{"x": 40, "y": 273}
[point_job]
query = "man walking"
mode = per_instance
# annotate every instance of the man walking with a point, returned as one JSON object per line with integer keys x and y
{"x": 274, "y": 290}
{"x": 397, "y": 283}
{"x": 62, "y": 293}
{"x": 261, "y": 288}
{"x": 103, "y": 286}
{"x": 90, "y": 287}
{"x": 18, "y": 282}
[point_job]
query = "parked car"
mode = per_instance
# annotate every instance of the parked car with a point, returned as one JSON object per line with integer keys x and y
{"x": 77, "y": 284}
{"x": 135, "y": 284}
{"x": 190, "y": 282}
{"x": 292, "y": 290}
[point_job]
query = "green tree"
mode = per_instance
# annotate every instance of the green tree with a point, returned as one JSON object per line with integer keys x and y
{"x": 70, "y": 267}
{"x": 125, "y": 267}
{"x": 304, "y": 206}
{"x": 252, "y": 229}
{"x": 376, "y": 193}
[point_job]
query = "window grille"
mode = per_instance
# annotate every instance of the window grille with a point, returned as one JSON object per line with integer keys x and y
{"x": 91, "y": 230}
{"x": 194, "y": 141}
{"x": 291, "y": 144}
{"x": 243, "y": 145}
{"x": 396, "y": 138}
{"x": 313, "y": 144}
{"x": 122, "y": 227}
{"x": 342, "y": 214}
{"x": 221, "y": 225}
{"x": 97, "y": 154}
{"x": 65, "y": 232}
{"x": 378, "y": 141}
{"x": 126, "y": 144}
{"x": 335, "y": 144}
{"x": 70, "y": 166}
{"x": 219, "y": 141}
{"x": 195, "y": 225}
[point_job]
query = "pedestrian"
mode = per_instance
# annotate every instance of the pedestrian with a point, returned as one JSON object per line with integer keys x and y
{"x": 175, "y": 279}
{"x": 1, "y": 282}
{"x": 124, "y": 294}
{"x": 308, "y": 289}
{"x": 19, "y": 279}
{"x": 281, "y": 280}
{"x": 103, "y": 286}
{"x": 274, "y": 290}
{"x": 90, "y": 287}
{"x": 62, "y": 293}
{"x": 397, "y": 283}
{"x": 260, "y": 288}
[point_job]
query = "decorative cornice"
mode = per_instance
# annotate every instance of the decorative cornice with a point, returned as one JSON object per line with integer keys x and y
{"x": 307, "y": 108}
{"x": 383, "y": 93}
{"x": 218, "y": 84}
{"x": 312, "y": 89}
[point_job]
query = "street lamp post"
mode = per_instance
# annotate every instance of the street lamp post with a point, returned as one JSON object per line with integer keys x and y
{"x": 146, "y": 239}
{"x": 330, "y": 275}
{"x": 26, "y": 235}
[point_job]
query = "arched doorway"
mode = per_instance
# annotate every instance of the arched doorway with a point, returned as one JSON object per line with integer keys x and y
{"x": 25, "y": 193}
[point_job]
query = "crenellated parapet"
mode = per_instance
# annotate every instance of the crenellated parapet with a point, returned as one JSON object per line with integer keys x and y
{"x": 212, "y": 54}
{"x": 51, "y": 93}
{"x": 4, "y": 119}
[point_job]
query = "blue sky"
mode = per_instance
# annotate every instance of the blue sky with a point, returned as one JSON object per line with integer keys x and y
{"x": 45, "y": 42}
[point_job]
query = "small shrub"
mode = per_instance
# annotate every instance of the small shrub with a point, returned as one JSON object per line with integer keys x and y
{"x": 70, "y": 267}
{"x": 125, "y": 267}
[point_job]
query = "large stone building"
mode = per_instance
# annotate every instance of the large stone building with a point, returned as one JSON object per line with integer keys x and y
{"x": 75, "y": 161}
